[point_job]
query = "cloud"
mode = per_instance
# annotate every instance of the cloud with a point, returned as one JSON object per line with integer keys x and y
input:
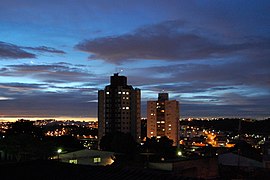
{"x": 169, "y": 40}
{"x": 41, "y": 99}
{"x": 45, "y": 49}
{"x": 208, "y": 74}
{"x": 71, "y": 103}
{"x": 58, "y": 72}
{"x": 20, "y": 87}
{"x": 11, "y": 51}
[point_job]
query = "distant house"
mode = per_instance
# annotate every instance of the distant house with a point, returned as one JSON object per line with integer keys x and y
{"x": 88, "y": 157}
{"x": 205, "y": 168}
{"x": 231, "y": 159}
{"x": 232, "y": 166}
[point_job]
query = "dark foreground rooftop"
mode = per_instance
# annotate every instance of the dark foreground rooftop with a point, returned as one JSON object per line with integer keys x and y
{"x": 49, "y": 170}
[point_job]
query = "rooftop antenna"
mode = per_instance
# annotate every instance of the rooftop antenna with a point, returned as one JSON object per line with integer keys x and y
{"x": 163, "y": 91}
{"x": 118, "y": 70}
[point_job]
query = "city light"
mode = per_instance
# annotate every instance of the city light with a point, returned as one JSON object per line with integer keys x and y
{"x": 59, "y": 151}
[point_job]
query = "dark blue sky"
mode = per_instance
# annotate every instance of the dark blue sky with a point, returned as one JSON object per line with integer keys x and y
{"x": 212, "y": 56}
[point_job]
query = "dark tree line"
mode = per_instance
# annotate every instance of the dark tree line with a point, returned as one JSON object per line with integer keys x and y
{"x": 124, "y": 144}
{"x": 24, "y": 141}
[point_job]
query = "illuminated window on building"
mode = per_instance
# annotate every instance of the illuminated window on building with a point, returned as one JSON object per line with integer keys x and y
{"x": 124, "y": 93}
{"x": 170, "y": 125}
{"x": 107, "y": 92}
{"x": 97, "y": 160}
{"x": 127, "y": 107}
{"x": 73, "y": 161}
{"x": 162, "y": 110}
{"x": 127, "y": 92}
{"x": 152, "y": 132}
{"x": 127, "y": 97}
{"x": 119, "y": 92}
{"x": 170, "y": 129}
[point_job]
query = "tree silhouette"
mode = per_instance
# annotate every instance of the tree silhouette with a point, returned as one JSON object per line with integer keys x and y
{"x": 162, "y": 147}
{"x": 25, "y": 127}
{"x": 120, "y": 143}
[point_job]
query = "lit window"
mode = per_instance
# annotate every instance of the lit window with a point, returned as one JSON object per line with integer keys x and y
{"x": 124, "y": 93}
{"x": 170, "y": 125}
{"x": 97, "y": 159}
{"x": 127, "y": 107}
{"x": 107, "y": 92}
{"x": 158, "y": 137}
{"x": 157, "y": 103}
{"x": 162, "y": 122}
{"x": 162, "y": 110}
{"x": 158, "y": 122}
{"x": 170, "y": 129}
{"x": 73, "y": 161}
{"x": 124, "y": 97}
{"x": 119, "y": 92}
{"x": 127, "y": 92}
{"x": 124, "y": 107}
{"x": 152, "y": 132}
{"x": 152, "y": 114}
{"x": 127, "y": 97}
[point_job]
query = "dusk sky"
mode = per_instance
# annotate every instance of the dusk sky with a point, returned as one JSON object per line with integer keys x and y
{"x": 211, "y": 56}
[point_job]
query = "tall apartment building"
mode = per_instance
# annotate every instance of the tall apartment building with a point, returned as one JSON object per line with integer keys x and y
{"x": 119, "y": 108}
{"x": 163, "y": 118}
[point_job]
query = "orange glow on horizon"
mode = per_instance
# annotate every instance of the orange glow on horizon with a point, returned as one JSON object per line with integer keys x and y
{"x": 59, "y": 118}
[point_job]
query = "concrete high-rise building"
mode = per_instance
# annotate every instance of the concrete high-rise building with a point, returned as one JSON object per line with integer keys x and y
{"x": 119, "y": 108}
{"x": 163, "y": 118}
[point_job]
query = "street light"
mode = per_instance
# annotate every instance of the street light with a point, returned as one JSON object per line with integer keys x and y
{"x": 58, "y": 153}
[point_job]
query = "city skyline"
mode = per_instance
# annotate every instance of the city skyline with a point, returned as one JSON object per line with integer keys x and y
{"x": 211, "y": 56}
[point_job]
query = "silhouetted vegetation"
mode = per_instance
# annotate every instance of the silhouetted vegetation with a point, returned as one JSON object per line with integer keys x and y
{"x": 25, "y": 127}
{"x": 120, "y": 143}
{"x": 24, "y": 141}
{"x": 245, "y": 149}
{"x": 162, "y": 147}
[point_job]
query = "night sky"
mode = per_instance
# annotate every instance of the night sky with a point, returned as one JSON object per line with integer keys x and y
{"x": 211, "y": 56}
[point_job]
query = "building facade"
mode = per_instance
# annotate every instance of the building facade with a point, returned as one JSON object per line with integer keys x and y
{"x": 119, "y": 108}
{"x": 163, "y": 118}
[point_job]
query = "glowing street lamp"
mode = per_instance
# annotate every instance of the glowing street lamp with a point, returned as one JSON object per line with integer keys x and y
{"x": 58, "y": 153}
{"x": 179, "y": 153}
